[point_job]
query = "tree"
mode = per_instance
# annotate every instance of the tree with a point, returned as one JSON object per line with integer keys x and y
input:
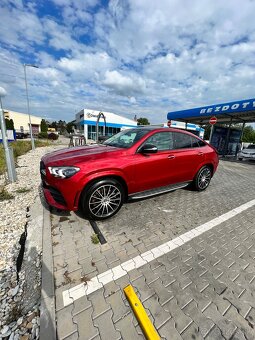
{"x": 53, "y": 125}
{"x": 70, "y": 126}
{"x": 143, "y": 121}
{"x": 61, "y": 126}
{"x": 248, "y": 134}
{"x": 44, "y": 126}
{"x": 9, "y": 124}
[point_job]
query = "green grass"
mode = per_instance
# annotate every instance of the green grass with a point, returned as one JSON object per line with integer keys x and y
{"x": 19, "y": 148}
{"x": 22, "y": 190}
{"x": 94, "y": 239}
{"x": 4, "y": 195}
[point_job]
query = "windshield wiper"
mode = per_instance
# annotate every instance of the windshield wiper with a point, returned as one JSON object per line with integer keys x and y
{"x": 113, "y": 144}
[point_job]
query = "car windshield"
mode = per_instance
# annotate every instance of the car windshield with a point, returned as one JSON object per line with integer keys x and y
{"x": 125, "y": 139}
{"x": 251, "y": 147}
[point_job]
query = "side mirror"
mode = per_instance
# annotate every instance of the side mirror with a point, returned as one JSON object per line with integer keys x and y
{"x": 148, "y": 148}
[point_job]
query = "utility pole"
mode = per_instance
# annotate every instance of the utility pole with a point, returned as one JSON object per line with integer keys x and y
{"x": 28, "y": 108}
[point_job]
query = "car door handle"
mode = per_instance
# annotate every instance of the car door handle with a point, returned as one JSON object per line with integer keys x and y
{"x": 200, "y": 154}
{"x": 171, "y": 157}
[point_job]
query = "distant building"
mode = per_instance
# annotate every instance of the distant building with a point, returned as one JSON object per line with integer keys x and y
{"x": 196, "y": 129}
{"x": 86, "y": 120}
{"x": 21, "y": 121}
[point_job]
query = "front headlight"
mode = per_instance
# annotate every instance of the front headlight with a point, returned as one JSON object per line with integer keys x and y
{"x": 63, "y": 171}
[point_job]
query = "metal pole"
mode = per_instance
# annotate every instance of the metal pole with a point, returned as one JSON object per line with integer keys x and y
{"x": 8, "y": 151}
{"x": 211, "y": 133}
{"x": 225, "y": 150}
{"x": 242, "y": 132}
{"x": 28, "y": 111}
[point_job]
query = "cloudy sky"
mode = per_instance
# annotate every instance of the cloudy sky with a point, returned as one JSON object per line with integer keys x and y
{"x": 142, "y": 57}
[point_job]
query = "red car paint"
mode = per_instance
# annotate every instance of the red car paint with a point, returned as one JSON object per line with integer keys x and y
{"x": 138, "y": 172}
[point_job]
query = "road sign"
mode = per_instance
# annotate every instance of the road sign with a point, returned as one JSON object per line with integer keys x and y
{"x": 213, "y": 120}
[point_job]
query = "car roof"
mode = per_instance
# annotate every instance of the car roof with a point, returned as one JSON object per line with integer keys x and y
{"x": 159, "y": 129}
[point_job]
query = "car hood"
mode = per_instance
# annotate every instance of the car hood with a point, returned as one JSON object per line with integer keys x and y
{"x": 72, "y": 156}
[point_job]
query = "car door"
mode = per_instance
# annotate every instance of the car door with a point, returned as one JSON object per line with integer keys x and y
{"x": 156, "y": 169}
{"x": 189, "y": 155}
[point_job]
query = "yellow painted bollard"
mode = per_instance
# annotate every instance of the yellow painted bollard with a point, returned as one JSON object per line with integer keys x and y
{"x": 145, "y": 323}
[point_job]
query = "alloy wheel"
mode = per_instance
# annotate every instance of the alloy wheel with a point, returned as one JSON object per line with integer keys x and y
{"x": 105, "y": 200}
{"x": 204, "y": 178}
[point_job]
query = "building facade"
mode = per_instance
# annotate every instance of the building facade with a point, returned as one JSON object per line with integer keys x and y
{"x": 21, "y": 121}
{"x": 86, "y": 121}
{"x": 196, "y": 129}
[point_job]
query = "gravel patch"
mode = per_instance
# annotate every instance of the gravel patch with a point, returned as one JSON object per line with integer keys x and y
{"x": 19, "y": 319}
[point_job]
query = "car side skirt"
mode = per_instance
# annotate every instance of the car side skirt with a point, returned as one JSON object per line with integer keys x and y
{"x": 157, "y": 191}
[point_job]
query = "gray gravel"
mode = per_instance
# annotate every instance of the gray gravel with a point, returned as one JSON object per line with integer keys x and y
{"x": 19, "y": 319}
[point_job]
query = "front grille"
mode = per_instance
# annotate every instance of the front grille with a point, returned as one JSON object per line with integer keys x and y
{"x": 56, "y": 195}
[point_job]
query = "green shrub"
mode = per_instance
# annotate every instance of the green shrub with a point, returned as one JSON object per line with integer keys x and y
{"x": 4, "y": 195}
{"x": 43, "y": 135}
{"x": 53, "y": 136}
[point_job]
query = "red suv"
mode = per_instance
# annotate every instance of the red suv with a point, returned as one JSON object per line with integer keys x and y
{"x": 132, "y": 164}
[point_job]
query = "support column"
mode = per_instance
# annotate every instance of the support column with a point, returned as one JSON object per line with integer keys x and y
{"x": 211, "y": 133}
{"x": 227, "y": 139}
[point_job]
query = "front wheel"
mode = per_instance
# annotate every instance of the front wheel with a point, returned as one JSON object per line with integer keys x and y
{"x": 203, "y": 178}
{"x": 102, "y": 199}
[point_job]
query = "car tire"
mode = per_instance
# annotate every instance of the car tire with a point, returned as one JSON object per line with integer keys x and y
{"x": 240, "y": 159}
{"x": 202, "y": 179}
{"x": 102, "y": 199}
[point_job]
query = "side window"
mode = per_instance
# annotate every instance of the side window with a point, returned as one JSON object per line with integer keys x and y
{"x": 201, "y": 143}
{"x": 194, "y": 142}
{"x": 181, "y": 140}
{"x": 162, "y": 140}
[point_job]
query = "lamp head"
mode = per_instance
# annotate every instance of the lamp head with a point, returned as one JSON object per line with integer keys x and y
{"x": 2, "y": 92}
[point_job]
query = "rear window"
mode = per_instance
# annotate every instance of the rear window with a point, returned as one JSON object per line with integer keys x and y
{"x": 181, "y": 140}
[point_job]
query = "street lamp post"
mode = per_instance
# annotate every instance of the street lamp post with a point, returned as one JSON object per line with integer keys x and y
{"x": 12, "y": 177}
{"x": 28, "y": 109}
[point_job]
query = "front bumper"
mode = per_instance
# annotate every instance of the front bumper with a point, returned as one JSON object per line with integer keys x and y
{"x": 246, "y": 156}
{"x": 59, "y": 193}
{"x": 53, "y": 197}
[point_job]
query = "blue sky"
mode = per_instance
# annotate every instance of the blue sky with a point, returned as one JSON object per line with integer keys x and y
{"x": 130, "y": 57}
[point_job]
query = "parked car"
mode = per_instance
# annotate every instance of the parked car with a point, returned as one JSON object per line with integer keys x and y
{"x": 21, "y": 135}
{"x": 248, "y": 153}
{"x": 132, "y": 164}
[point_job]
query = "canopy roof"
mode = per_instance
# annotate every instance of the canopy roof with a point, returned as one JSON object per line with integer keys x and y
{"x": 239, "y": 112}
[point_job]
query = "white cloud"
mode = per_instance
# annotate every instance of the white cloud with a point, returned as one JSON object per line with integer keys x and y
{"x": 123, "y": 84}
{"x": 141, "y": 57}
{"x": 20, "y": 28}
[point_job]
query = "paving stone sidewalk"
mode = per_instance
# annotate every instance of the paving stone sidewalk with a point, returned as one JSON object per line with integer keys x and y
{"x": 201, "y": 290}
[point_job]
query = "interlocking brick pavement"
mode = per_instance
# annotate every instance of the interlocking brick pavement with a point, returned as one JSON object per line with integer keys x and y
{"x": 204, "y": 289}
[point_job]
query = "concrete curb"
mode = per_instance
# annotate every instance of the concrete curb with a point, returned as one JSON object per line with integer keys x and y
{"x": 47, "y": 315}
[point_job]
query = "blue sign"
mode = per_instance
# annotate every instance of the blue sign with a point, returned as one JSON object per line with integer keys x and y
{"x": 233, "y": 107}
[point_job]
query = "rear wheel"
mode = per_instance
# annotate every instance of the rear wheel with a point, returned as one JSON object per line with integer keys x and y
{"x": 102, "y": 199}
{"x": 240, "y": 158}
{"x": 203, "y": 178}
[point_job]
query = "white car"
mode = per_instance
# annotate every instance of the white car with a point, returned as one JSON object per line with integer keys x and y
{"x": 248, "y": 153}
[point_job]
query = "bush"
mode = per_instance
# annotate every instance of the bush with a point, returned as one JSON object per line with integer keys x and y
{"x": 52, "y": 136}
{"x": 43, "y": 135}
